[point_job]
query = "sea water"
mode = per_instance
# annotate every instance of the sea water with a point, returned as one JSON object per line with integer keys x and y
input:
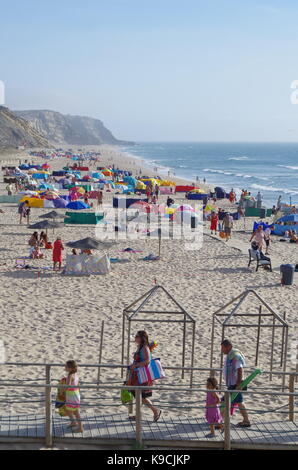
{"x": 271, "y": 168}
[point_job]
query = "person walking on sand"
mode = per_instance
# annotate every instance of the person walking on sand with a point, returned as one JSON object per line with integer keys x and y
{"x": 99, "y": 199}
{"x": 72, "y": 397}
{"x": 227, "y": 225}
{"x": 142, "y": 358}
{"x": 9, "y": 189}
{"x": 259, "y": 237}
{"x": 267, "y": 237}
{"x": 214, "y": 222}
{"x": 24, "y": 211}
{"x": 233, "y": 374}
{"x": 232, "y": 196}
{"x": 213, "y": 415}
{"x": 57, "y": 253}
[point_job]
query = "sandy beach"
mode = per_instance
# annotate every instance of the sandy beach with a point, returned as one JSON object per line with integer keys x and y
{"x": 50, "y": 318}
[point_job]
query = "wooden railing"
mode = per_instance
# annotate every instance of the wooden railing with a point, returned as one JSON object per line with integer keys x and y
{"x": 48, "y": 387}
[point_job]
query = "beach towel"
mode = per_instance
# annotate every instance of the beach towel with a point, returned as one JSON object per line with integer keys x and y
{"x": 151, "y": 257}
{"x": 131, "y": 250}
{"x": 60, "y": 398}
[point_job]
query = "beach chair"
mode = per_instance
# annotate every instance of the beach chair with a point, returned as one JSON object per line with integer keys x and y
{"x": 254, "y": 255}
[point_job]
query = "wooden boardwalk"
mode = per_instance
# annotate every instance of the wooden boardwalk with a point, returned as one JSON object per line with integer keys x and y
{"x": 116, "y": 430}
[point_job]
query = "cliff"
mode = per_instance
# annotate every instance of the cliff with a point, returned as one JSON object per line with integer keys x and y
{"x": 66, "y": 129}
{"x": 15, "y": 131}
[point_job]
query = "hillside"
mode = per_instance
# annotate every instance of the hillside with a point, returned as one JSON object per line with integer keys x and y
{"x": 66, "y": 129}
{"x": 15, "y": 131}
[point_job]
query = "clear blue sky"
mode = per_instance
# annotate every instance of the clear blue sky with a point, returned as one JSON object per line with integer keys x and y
{"x": 157, "y": 69}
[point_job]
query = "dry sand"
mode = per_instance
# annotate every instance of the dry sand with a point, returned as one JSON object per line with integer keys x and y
{"x": 53, "y": 318}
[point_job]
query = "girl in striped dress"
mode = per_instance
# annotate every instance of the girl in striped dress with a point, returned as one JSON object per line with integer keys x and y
{"x": 72, "y": 397}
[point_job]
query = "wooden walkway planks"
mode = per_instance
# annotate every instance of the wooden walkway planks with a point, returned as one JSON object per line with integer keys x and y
{"x": 118, "y": 427}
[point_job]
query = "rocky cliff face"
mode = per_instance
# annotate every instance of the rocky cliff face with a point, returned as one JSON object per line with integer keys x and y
{"x": 15, "y": 131}
{"x": 67, "y": 129}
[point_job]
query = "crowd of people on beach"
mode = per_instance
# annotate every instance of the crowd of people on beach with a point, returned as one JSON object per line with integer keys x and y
{"x": 222, "y": 222}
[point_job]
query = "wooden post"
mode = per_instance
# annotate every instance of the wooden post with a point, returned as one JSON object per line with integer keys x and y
{"x": 291, "y": 398}
{"x": 138, "y": 418}
{"x": 221, "y": 356}
{"x": 183, "y": 346}
{"x": 258, "y": 335}
{"x": 192, "y": 352}
{"x": 100, "y": 349}
{"x": 123, "y": 339}
{"x": 272, "y": 348}
{"x": 48, "y": 409}
{"x": 227, "y": 424}
{"x": 283, "y": 342}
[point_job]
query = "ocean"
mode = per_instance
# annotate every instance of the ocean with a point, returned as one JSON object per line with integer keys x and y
{"x": 271, "y": 168}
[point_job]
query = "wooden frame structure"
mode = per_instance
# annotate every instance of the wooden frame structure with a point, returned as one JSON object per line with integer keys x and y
{"x": 276, "y": 322}
{"x": 133, "y": 313}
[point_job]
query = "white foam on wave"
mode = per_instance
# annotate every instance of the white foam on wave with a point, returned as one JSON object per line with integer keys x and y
{"x": 238, "y": 158}
{"x": 289, "y": 167}
{"x": 260, "y": 187}
{"x": 238, "y": 175}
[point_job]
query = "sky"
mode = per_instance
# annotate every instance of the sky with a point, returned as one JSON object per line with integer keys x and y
{"x": 158, "y": 70}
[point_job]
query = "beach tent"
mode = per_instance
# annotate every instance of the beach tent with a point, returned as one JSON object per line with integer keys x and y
{"x": 130, "y": 181}
{"x": 286, "y": 223}
{"x": 165, "y": 190}
{"x": 197, "y": 196}
{"x": 220, "y": 192}
{"x": 184, "y": 188}
{"x": 59, "y": 173}
{"x": 140, "y": 185}
{"x": 77, "y": 205}
{"x": 293, "y": 218}
{"x": 60, "y": 203}
{"x": 33, "y": 201}
{"x": 78, "y": 265}
{"x": 126, "y": 202}
{"x": 40, "y": 176}
{"x": 265, "y": 226}
{"x": 167, "y": 183}
{"x": 48, "y": 203}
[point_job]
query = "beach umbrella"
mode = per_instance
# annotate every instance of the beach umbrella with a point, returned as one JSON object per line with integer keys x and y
{"x": 90, "y": 244}
{"x": 45, "y": 225}
{"x": 141, "y": 206}
{"x": 185, "y": 207}
{"x": 51, "y": 215}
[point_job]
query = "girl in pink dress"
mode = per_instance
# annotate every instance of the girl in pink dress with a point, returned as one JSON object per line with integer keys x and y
{"x": 213, "y": 415}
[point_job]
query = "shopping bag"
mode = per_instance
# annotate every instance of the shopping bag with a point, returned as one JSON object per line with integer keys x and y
{"x": 156, "y": 370}
{"x": 151, "y": 372}
{"x": 126, "y": 397}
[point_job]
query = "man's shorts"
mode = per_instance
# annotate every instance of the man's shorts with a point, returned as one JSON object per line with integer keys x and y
{"x": 239, "y": 398}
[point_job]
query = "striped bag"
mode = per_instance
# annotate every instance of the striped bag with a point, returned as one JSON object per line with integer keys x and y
{"x": 151, "y": 372}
